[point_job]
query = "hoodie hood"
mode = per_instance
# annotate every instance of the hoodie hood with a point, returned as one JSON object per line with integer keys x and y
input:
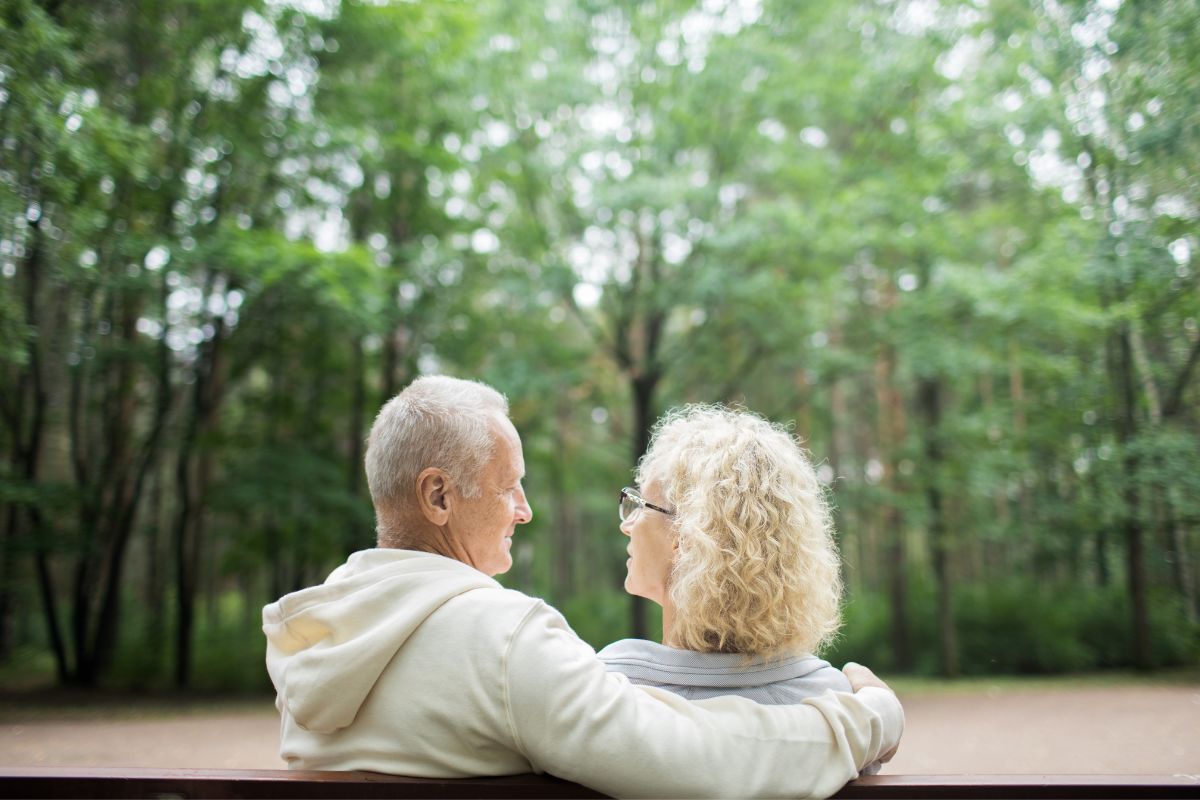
{"x": 327, "y": 645}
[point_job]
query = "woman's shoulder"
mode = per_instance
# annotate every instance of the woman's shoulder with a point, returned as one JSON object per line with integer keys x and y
{"x": 820, "y": 675}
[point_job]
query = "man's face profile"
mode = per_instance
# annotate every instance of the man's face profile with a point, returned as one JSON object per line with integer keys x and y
{"x": 485, "y": 524}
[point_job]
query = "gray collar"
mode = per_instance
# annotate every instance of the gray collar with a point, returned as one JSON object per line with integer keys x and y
{"x": 649, "y": 661}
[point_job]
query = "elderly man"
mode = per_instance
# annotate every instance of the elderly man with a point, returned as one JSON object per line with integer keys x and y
{"x": 410, "y": 659}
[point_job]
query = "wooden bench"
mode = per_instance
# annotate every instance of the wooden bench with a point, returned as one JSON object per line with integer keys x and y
{"x": 60, "y": 782}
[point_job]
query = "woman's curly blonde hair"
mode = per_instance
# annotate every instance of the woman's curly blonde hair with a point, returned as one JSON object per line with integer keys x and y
{"x": 756, "y": 570}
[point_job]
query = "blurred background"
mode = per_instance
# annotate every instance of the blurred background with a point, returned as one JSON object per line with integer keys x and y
{"x": 955, "y": 243}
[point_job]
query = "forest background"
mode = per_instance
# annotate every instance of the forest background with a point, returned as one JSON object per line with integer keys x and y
{"x": 955, "y": 243}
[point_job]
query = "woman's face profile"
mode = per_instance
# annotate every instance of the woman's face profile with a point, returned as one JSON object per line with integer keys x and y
{"x": 651, "y": 547}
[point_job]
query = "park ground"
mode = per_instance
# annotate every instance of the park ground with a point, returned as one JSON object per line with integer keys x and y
{"x": 1103, "y": 725}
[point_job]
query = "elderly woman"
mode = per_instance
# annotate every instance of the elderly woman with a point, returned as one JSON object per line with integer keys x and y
{"x": 731, "y": 534}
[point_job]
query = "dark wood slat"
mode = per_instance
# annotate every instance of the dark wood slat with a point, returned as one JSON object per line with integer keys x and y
{"x": 68, "y": 782}
{"x": 1021, "y": 787}
{"x": 221, "y": 784}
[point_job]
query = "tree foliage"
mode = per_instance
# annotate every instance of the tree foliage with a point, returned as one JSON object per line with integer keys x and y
{"x": 954, "y": 242}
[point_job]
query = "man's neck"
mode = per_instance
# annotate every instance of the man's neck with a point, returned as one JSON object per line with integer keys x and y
{"x": 437, "y": 540}
{"x": 410, "y": 531}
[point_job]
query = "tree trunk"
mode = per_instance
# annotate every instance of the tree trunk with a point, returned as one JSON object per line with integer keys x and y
{"x": 891, "y": 425}
{"x": 1131, "y": 523}
{"x": 155, "y": 593}
{"x": 8, "y": 580}
{"x": 32, "y": 394}
{"x": 206, "y": 554}
{"x": 189, "y": 524}
{"x": 930, "y": 402}
{"x": 50, "y": 611}
{"x": 184, "y": 569}
{"x": 1181, "y": 559}
{"x": 188, "y": 543}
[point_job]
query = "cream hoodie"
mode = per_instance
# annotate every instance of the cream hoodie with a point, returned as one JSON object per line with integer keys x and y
{"x": 414, "y": 664}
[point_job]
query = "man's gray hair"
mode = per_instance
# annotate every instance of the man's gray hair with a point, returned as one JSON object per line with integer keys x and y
{"x": 437, "y": 421}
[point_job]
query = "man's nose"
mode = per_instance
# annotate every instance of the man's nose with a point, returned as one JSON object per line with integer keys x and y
{"x": 524, "y": 513}
{"x": 624, "y": 529}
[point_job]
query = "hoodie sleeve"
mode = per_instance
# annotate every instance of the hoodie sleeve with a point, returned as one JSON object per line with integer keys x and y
{"x": 572, "y": 718}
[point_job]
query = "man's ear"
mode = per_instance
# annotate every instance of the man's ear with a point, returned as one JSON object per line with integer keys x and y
{"x": 433, "y": 489}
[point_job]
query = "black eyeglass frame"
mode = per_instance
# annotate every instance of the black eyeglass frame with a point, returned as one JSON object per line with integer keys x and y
{"x": 631, "y": 493}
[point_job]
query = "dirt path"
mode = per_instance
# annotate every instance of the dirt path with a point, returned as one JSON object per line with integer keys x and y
{"x": 1124, "y": 729}
{"x": 1088, "y": 730}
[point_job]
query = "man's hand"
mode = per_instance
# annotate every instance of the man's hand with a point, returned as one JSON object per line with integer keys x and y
{"x": 861, "y": 677}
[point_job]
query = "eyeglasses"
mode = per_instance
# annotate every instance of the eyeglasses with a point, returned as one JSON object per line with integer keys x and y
{"x": 632, "y": 502}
